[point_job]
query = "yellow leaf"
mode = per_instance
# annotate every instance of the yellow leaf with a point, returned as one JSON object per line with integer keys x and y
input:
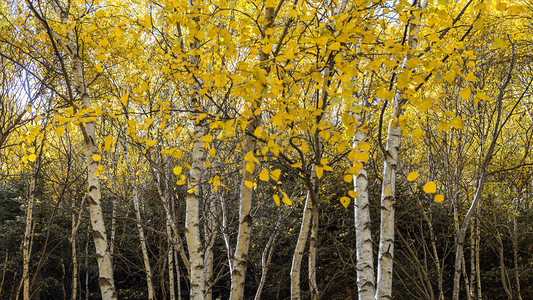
{"x": 296, "y": 165}
{"x": 151, "y": 143}
{"x": 348, "y": 177}
{"x": 457, "y": 123}
{"x": 248, "y": 184}
{"x": 212, "y": 152}
{"x": 319, "y": 172}
{"x": 364, "y": 146}
{"x": 32, "y": 157}
{"x": 258, "y": 132}
{"x": 249, "y": 156}
{"x": 450, "y": 77}
{"x": 471, "y": 77}
{"x": 498, "y": 43}
{"x": 417, "y": 133}
{"x": 430, "y": 187}
{"x": 275, "y": 174}
{"x": 439, "y": 198}
{"x": 108, "y": 140}
{"x": 352, "y": 194}
{"x": 465, "y": 93}
{"x": 276, "y": 199}
{"x": 207, "y": 138}
{"x": 149, "y": 121}
{"x": 177, "y": 170}
{"x": 364, "y": 156}
{"x": 249, "y": 167}
{"x": 263, "y": 175}
{"x": 191, "y": 190}
{"x": 412, "y": 176}
{"x": 181, "y": 181}
{"x": 286, "y": 200}
{"x": 345, "y": 201}
{"x": 335, "y": 46}
{"x": 124, "y": 99}
{"x": 412, "y": 62}
{"x": 266, "y": 48}
{"x": 96, "y": 157}
{"x": 60, "y": 131}
{"x": 444, "y": 126}
{"x": 387, "y": 192}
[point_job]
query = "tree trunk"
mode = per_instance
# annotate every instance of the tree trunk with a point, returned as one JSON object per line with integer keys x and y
{"x": 240, "y": 260}
{"x": 94, "y": 198}
{"x": 313, "y": 287}
{"x": 193, "y": 199}
{"x": 192, "y": 215}
{"x": 265, "y": 259}
{"x": 386, "y": 239}
{"x": 87, "y": 266}
{"x": 503, "y": 270}
{"x": 170, "y": 264}
{"x": 211, "y": 235}
{"x": 366, "y": 286}
{"x": 307, "y": 216}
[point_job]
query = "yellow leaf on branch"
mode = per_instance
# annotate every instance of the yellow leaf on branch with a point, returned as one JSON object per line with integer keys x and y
{"x": 430, "y": 187}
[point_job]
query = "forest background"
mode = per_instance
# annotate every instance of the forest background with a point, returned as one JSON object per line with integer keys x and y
{"x": 274, "y": 149}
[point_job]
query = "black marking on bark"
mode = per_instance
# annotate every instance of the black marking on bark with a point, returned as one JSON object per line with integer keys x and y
{"x": 247, "y": 219}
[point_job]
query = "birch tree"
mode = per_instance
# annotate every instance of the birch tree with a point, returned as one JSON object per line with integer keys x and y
{"x": 78, "y": 88}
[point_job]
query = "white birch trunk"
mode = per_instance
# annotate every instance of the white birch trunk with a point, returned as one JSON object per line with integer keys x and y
{"x": 266, "y": 258}
{"x": 94, "y": 198}
{"x": 211, "y": 235}
{"x": 307, "y": 216}
{"x": 192, "y": 216}
{"x": 300, "y": 246}
{"x": 366, "y": 286}
{"x": 114, "y": 201}
{"x": 245, "y": 219}
{"x": 170, "y": 264}
{"x": 386, "y": 239}
{"x": 313, "y": 286}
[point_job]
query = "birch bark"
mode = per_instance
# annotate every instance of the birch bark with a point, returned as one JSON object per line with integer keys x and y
{"x": 386, "y": 239}
{"x": 240, "y": 259}
{"x": 71, "y": 48}
{"x": 192, "y": 214}
{"x": 366, "y": 285}
{"x": 302, "y": 239}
